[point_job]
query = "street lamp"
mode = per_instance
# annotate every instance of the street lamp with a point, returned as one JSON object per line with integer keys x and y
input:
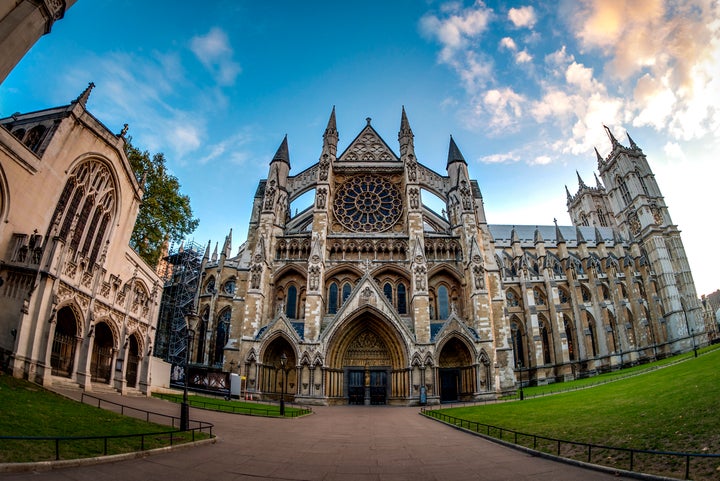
{"x": 283, "y": 361}
{"x": 184, "y": 406}
{"x": 522, "y": 394}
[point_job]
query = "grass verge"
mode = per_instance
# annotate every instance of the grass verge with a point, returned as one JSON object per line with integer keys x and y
{"x": 236, "y": 407}
{"x": 670, "y": 409}
{"x": 30, "y": 410}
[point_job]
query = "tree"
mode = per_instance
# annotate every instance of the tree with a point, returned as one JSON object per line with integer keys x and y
{"x": 165, "y": 214}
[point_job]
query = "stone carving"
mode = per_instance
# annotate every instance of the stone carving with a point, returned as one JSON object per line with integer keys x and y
{"x": 412, "y": 169}
{"x": 321, "y": 198}
{"x": 420, "y": 272}
{"x": 256, "y": 273}
{"x": 270, "y": 196}
{"x": 324, "y": 167}
{"x": 634, "y": 223}
{"x": 465, "y": 193}
{"x": 414, "y": 198}
{"x": 314, "y": 278}
{"x": 479, "y": 277}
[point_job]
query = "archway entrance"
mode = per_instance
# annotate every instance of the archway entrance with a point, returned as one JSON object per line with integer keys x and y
{"x": 102, "y": 354}
{"x": 366, "y": 363}
{"x": 456, "y": 372}
{"x": 271, "y": 372}
{"x": 64, "y": 342}
{"x": 132, "y": 362}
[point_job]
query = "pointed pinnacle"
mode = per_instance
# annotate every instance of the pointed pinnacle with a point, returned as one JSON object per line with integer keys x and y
{"x": 282, "y": 154}
{"x": 597, "y": 182}
{"x": 613, "y": 140}
{"x": 580, "y": 181}
{"x": 567, "y": 193}
{"x": 454, "y": 154}
{"x": 633, "y": 145}
{"x": 331, "y": 125}
{"x": 85, "y": 95}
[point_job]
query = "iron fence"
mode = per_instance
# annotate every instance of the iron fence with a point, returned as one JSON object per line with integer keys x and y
{"x": 620, "y": 458}
{"x": 76, "y": 447}
{"x": 260, "y": 410}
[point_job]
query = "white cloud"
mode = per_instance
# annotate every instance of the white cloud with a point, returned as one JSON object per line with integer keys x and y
{"x": 674, "y": 151}
{"x": 228, "y": 149}
{"x": 523, "y": 57}
{"x": 523, "y": 16}
{"x": 541, "y": 160}
{"x": 504, "y": 106}
{"x": 215, "y": 53}
{"x": 508, "y": 157}
{"x": 508, "y": 43}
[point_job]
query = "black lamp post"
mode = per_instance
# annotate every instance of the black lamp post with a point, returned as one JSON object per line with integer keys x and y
{"x": 283, "y": 361}
{"x": 184, "y": 406}
{"x": 522, "y": 393}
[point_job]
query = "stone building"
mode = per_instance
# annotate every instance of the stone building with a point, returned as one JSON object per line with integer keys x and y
{"x": 75, "y": 300}
{"x": 375, "y": 298}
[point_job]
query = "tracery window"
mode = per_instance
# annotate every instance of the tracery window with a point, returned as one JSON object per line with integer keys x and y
{"x": 539, "y": 297}
{"x": 229, "y": 286}
{"x": 605, "y": 292}
{"x": 624, "y": 193}
{"x": 642, "y": 184}
{"x": 210, "y": 286}
{"x": 388, "y": 291}
{"x": 601, "y": 217}
{"x": 584, "y": 220}
{"x": 563, "y": 296}
{"x": 518, "y": 346}
{"x": 443, "y": 303}
{"x": 570, "y": 339}
{"x": 512, "y": 298}
{"x": 586, "y": 297}
{"x": 89, "y": 195}
{"x": 200, "y": 336}
{"x": 367, "y": 203}
{"x": 544, "y": 333}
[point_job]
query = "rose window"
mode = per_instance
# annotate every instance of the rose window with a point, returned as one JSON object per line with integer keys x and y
{"x": 367, "y": 204}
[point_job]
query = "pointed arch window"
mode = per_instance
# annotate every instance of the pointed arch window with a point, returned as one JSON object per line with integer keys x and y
{"x": 544, "y": 333}
{"x": 346, "y": 291}
{"x": 601, "y": 217}
{"x": 586, "y": 297}
{"x": 443, "y": 302}
{"x": 87, "y": 206}
{"x": 401, "y": 299}
{"x": 563, "y": 296}
{"x": 388, "y": 291}
{"x": 200, "y": 335}
{"x": 624, "y": 192}
{"x": 570, "y": 338}
{"x": 518, "y": 345}
{"x": 593, "y": 343}
{"x": 221, "y": 332}
{"x": 333, "y": 298}
{"x": 643, "y": 184}
{"x": 291, "y": 302}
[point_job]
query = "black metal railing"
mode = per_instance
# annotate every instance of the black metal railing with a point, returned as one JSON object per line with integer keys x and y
{"x": 619, "y": 458}
{"x": 229, "y": 407}
{"x": 89, "y": 446}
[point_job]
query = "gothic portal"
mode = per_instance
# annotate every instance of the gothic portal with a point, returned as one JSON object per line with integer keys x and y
{"x": 375, "y": 298}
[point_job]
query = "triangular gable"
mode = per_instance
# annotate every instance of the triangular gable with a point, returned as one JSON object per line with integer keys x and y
{"x": 368, "y": 146}
{"x": 367, "y": 294}
{"x": 455, "y": 324}
{"x": 282, "y": 324}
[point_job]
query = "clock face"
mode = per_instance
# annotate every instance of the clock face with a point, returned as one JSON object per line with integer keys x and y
{"x": 367, "y": 203}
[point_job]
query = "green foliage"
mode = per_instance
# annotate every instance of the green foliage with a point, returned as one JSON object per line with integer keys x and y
{"x": 165, "y": 214}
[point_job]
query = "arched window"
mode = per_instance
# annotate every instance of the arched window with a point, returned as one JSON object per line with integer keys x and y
{"x": 221, "y": 331}
{"x": 642, "y": 184}
{"x": 387, "y": 290}
{"x": 200, "y": 336}
{"x": 624, "y": 193}
{"x": 563, "y": 296}
{"x": 34, "y": 137}
{"x": 570, "y": 339}
{"x": 586, "y": 297}
{"x": 333, "y": 298}
{"x": 291, "y": 302}
{"x": 401, "y": 299}
{"x": 593, "y": 342}
{"x": 584, "y": 220}
{"x": 518, "y": 345}
{"x": 544, "y": 332}
{"x": 512, "y": 299}
{"x": 89, "y": 195}
{"x": 605, "y": 292}
{"x": 443, "y": 302}
{"x": 229, "y": 286}
{"x": 346, "y": 291}
{"x": 539, "y": 297}
{"x": 601, "y": 217}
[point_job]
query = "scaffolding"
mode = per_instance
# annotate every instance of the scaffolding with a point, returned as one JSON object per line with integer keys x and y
{"x": 180, "y": 271}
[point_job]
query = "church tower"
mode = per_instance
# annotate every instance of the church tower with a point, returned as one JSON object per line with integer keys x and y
{"x": 640, "y": 213}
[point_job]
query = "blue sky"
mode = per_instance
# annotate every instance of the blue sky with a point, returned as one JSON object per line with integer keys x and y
{"x": 523, "y": 87}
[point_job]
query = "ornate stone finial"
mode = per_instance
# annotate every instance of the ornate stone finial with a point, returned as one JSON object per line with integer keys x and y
{"x": 124, "y": 130}
{"x": 368, "y": 120}
{"x": 85, "y": 95}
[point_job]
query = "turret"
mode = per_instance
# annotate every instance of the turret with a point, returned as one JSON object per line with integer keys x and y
{"x": 405, "y": 136}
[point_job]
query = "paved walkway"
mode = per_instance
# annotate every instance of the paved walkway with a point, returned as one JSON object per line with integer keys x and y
{"x": 336, "y": 443}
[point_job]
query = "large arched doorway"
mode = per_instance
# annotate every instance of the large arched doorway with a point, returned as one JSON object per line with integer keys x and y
{"x": 272, "y": 375}
{"x": 133, "y": 361}
{"x": 456, "y": 371}
{"x": 102, "y": 354}
{"x": 367, "y": 363}
{"x": 64, "y": 342}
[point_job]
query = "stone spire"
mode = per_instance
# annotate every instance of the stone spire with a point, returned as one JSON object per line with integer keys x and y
{"x": 558, "y": 234}
{"x": 405, "y": 136}
{"x": 597, "y": 182}
{"x": 454, "y": 154}
{"x": 633, "y": 145}
{"x": 330, "y": 137}
{"x": 600, "y": 160}
{"x": 613, "y": 140}
{"x": 85, "y": 95}
{"x": 282, "y": 154}
{"x": 580, "y": 181}
{"x": 567, "y": 194}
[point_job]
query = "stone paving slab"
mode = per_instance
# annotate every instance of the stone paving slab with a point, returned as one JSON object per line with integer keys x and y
{"x": 335, "y": 443}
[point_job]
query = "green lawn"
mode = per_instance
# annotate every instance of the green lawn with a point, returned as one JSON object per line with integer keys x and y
{"x": 30, "y": 410}
{"x": 669, "y": 409}
{"x": 232, "y": 406}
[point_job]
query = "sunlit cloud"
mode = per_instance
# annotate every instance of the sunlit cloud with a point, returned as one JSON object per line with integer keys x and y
{"x": 522, "y": 17}
{"x": 215, "y": 53}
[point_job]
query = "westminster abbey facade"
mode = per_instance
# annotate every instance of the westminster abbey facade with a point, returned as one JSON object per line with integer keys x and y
{"x": 371, "y": 297}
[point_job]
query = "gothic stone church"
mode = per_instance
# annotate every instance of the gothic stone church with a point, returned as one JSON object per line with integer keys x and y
{"x": 374, "y": 298}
